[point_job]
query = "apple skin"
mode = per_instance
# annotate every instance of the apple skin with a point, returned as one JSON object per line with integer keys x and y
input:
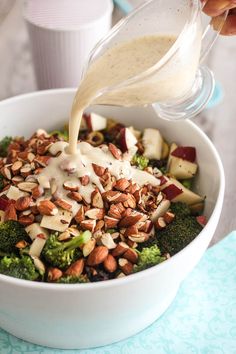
{"x": 187, "y": 153}
{"x": 95, "y": 122}
{"x": 171, "y": 191}
{"x": 4, "y": 203}
{"x": 126, "y": 139}
{"x": 163, "y": 180}
{"x": 201, "y": 220}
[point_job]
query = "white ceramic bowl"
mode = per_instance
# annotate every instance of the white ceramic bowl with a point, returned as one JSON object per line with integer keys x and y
{"x": 89, "y": 315}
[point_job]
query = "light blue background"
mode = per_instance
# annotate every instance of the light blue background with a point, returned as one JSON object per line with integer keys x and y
{"x": 201, "y": 320}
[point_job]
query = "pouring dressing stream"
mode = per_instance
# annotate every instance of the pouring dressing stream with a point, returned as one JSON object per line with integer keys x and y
{"x": 76, "y": 159}
{"x": 116, "y": 65}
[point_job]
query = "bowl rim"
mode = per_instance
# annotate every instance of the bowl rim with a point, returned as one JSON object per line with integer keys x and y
{"x": 132, "y": 277}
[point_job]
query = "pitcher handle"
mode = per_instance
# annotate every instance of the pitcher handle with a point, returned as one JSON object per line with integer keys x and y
{"x": 211, "y": 32}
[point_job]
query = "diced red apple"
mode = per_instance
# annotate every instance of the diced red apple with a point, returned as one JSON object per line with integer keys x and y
{"x": 126, "y": 139}
{"x": 136, "y": 133}
{"x": 201, "y": 220}
{"x": 186, "y": 196}
{"x": 163, "y": 180}
{"x": 4, "y": 203}
{"x": 95, "y": 121}
{"x": 152, "y": 143}
{"x": 187, "y": 153}
{"x": 172, "y": 191}
{"x": 182, "y": 169}
{"x": 173, "y": 146}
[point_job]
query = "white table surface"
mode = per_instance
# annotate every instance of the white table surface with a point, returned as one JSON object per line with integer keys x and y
{"x": 17, "y": 76}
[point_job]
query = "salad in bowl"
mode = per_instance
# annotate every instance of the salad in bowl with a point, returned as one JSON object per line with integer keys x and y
{"x": 74, "y": 228}
{"x": 79, "y": 284}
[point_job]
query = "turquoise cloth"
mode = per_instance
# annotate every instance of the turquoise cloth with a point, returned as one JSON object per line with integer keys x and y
{"x": 201, "y": 320}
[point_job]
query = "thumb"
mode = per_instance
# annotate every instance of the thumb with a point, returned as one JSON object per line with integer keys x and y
{"x": 217, "y": 7}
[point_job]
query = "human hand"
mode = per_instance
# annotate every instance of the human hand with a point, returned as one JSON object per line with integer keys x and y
{"x": 215, "y": 8}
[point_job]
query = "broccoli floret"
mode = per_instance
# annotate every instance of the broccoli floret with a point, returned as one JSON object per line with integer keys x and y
{"x": 187, "y": 183}
{"x": 180, "y": 209}
{"x": 62, "y": 134}
{"x": 62, "y": 254}
{"x": 69, "y": 279}
{"x": 160, "y": 164}
{"x": 140, "y": 161}
{"x": 178, "y": 234}
{"x": 148, "y": 257}
{"x": 111, "y": 231}
{"x": 22, "y": 268}
{"x": 11, "y": 232}
{"x": 4, "y": 144}
{"x": 3, "y": 254}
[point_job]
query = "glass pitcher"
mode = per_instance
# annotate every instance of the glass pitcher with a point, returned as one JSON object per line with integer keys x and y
{"x": 177, "y": 85}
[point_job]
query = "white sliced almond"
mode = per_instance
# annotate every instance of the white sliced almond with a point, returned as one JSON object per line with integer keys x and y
{"x": 44, "y": 181}
{"x": 27, "y": 186}
{"x": 6, "y": 172}
{"x": 26, "y": 212}
{"x": 73, "y": 231}
{"x": 89, "y": 247}
{"x": 162, "y": 207}
{"x": 35, "y": 229}
{"x": 43, "y": 132}
{"x": 53, "y": 186}
{"x": 25, "y": 170}
{"x": 14, "y": 193}
{"x": 57, "y": 147}
{"x": 71, "y": 186}
{"x": 59, "y": 222}
{"x": 37, "y": 246}
{"x": 108, "y": 241}
{"x": 31, "y": 178}
{"x": 30, "y": 156}
{"x": 17, "y": 179}
{"x": 64, "y": 236}
{"x": 95, "y": 213}
{"x": 16, "y": 167}
{"x": 39, "y": 264}
{"x": 139, "y": 238}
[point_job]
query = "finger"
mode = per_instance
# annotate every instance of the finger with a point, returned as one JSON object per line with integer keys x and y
{"x": 229, "y": 28}
{"x": 216, "y": 7}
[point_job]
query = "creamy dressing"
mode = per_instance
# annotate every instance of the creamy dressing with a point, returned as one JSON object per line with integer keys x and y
{"x": 102, "y": 83}
{"x": 66, "y": 167}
